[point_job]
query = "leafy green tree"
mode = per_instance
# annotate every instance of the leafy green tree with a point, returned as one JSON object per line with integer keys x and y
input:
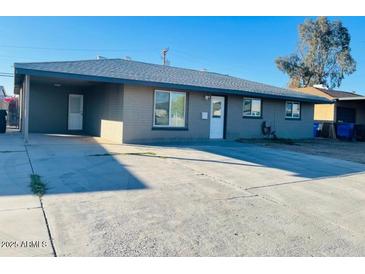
{"x": 323, "y": 55}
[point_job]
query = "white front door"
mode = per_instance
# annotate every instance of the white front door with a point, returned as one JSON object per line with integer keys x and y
{"x": 217, "y": 117}
{"x": 75, "y": 111}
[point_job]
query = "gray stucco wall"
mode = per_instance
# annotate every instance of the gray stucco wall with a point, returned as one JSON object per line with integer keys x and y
{"x": 138, "y": 117}
{"x": 273, "y": 112}
{"x": 125, "y": 114}
{"x": 104, "y": 116}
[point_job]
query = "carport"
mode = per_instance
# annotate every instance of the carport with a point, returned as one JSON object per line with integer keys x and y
{"x": 64, "y": 105}
{"x": 351, "y": 110}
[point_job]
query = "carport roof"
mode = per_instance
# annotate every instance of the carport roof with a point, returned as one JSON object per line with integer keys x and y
{"x": 134, "y": 72}
{"x": 359, "y": 98}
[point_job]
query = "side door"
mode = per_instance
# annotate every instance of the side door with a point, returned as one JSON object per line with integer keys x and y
{"x": 217, "y": 117}
{"x": 75, "y": 111}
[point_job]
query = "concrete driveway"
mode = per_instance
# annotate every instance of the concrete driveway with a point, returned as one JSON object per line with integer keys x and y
{"x": 23, "y": 230}
{"x": 215, "y": 199}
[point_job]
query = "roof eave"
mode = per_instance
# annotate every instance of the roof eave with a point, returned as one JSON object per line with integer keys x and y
{"x": 360, "y": 98}
{"x": 24, "y": 71}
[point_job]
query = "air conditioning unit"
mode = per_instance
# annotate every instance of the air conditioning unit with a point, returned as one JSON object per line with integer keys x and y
{"x": 320, "y": 86}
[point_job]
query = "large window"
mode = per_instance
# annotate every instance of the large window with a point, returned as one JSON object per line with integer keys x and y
{"x": 292, "y": 110}
{"x": 251, "y": 107}
{"x": 169, "y": 109}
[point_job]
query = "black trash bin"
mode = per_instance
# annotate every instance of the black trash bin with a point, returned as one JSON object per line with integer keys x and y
{"x": 2, "y": 120}
{"x": 360, "y": 133}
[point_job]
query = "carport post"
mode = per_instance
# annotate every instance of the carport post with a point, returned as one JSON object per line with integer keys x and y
{"x": 26, "y": 92}
{"x": 20, "y": 122}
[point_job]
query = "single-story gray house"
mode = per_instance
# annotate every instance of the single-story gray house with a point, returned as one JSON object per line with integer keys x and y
{"x": 131, "y": 102}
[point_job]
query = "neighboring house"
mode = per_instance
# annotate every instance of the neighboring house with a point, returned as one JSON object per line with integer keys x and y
{"x": 3, "y": 104}
{"x": 2, "y": 91}
{"x": 348, "y": 106}
{"x": 128, "y": 101}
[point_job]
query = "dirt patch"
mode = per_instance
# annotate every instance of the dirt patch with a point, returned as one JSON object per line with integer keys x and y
{"x": 350, "y": 151}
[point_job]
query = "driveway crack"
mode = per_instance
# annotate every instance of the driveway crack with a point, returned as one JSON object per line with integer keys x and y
{"x": 21, "y": 208}
{"x": 42, "y": 207}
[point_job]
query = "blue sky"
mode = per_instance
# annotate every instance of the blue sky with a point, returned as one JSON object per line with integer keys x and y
{"x": 245, "y": 47}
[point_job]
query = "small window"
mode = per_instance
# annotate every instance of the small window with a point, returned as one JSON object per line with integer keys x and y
{"x": 217, "y": 109}
{"x": 292, "y": 110}
{"x": 169, "y": 109}
{"x": 251, "y": 107}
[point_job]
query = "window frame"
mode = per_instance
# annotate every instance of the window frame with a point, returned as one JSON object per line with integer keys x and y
{"x": 251, "y": 116}
{"x": 300, "y": 110}
{"x": 169, "y": 126}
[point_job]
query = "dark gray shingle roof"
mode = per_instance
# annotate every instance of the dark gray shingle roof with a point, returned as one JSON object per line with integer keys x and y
{"x": 159, "y": 74}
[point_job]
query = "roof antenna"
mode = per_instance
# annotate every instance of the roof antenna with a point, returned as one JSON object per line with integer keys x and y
{"x": 163, "y": 55}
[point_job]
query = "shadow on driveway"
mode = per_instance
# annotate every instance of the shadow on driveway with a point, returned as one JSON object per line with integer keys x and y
{"x": 76, "y": 164}
{"x": 299, "y": 164}
{"x": 64, "y": 164}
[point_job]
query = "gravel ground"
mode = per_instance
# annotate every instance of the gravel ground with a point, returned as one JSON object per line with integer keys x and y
{"x": 350, "y": 151}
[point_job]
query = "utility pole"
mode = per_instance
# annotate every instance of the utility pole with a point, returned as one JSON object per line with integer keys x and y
{"x": 163, "y": 54}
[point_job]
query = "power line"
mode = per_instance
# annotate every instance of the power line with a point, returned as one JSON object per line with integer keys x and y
{"x": 6, "y": 74}
{"x": 65, "y": 49}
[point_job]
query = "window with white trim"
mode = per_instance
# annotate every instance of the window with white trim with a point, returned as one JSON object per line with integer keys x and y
{"x": 169, "y": 109}
{"x": 251, "y": 107}
{"x": 292, "y": 110}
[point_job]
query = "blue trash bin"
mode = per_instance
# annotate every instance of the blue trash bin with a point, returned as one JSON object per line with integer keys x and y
{"x": 345, "y": 131}
{"x": 315, "y": 129}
